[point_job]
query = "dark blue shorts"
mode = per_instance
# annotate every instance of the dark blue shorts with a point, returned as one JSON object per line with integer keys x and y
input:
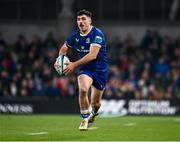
{"x": 99, "y": 78}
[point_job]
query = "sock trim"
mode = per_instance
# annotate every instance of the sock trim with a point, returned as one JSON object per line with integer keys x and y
{"x": 84, "y": 111}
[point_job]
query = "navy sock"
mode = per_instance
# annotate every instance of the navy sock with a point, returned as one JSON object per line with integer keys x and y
{"x": 86, "y": 115}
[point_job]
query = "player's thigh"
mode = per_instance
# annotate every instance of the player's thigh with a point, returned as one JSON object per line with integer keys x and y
{"x": 84, "y": 81}
{"x": 96, "y": 95}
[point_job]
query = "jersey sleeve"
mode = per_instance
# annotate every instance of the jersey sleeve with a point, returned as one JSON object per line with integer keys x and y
{"x": 70, "y": 40}
{"x": 97, "y": 40}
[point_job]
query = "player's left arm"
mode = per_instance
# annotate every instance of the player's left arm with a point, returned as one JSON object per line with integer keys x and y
{"x": 92, "y": 55}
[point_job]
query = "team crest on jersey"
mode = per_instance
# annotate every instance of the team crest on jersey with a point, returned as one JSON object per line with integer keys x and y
{"x": 77, "y": 40}
{"x": 98, "y": 39}
{"x": 88, "y": 40}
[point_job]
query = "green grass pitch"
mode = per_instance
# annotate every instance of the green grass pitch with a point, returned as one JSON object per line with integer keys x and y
{"x": 65, "y": 128}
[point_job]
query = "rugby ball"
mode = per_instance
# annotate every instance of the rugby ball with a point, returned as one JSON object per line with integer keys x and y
{"x": 60, "y": 64}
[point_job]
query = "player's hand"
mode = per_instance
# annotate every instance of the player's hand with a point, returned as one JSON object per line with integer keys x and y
{"x": 69, "y": 68}
{"x": 55, "y": 65}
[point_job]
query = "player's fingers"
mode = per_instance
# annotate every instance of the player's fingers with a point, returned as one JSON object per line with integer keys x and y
{"x": 55, "y": 64}
{"x": 67, "y": 63}
{"x": 65, "y": 71}
{"x": 66, "y": 74}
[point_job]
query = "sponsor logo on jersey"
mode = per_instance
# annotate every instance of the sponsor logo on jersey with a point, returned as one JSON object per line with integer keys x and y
{"x": 77, "y": 40}
{"x": 98, "y": 39}
{"x": 88, "y": 40}
{"x": 81, "y": 50}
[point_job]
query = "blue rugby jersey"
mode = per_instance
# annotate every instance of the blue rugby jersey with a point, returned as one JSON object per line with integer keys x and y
{"x": 82, "y": 44}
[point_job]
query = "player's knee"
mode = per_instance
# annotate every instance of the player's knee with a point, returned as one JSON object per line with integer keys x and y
{"x": 83, "y": 90}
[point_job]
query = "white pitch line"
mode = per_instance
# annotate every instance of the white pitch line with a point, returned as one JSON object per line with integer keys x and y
{"x": 95, "y": 141}
{"x": 92, "y": 128}
{"x": 37, "y": 133}
{"x": 130, "y": 124}
{"x": 177, "y": 119}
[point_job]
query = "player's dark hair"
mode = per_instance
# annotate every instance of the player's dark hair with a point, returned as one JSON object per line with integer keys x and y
{"x": 84, "y": 12}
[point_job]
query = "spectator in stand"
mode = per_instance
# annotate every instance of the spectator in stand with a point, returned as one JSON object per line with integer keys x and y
{"x": 134, "y": 72}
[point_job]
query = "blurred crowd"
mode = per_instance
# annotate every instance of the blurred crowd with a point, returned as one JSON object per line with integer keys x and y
{"x": 146, "y": 70}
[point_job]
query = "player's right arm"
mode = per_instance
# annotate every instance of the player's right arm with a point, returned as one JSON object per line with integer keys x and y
{"x": 69, "y": 43}
{"x": 63, "y": 49}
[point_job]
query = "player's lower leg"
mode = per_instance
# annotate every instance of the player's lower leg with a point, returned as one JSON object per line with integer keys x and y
{"x": 84, "y": 104}
{"x": 84, "y": 83}
{"x": 95, "y": 104}
{"x": 84, "y": 123}
{"x": 94, "y": 113}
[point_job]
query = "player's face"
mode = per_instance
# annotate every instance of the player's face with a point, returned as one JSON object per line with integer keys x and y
{"x": 84, "y": 23}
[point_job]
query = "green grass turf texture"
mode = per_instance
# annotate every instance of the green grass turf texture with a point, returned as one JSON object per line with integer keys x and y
{"x": 65, "y": 128}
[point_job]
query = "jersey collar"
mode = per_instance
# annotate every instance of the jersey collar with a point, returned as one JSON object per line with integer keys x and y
{"x": 87, "y": 32}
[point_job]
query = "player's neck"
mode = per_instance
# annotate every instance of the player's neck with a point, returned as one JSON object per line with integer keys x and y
{"x": 86, "y": 32}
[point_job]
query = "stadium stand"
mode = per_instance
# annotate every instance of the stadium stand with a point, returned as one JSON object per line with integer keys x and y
{"x": 148, "y": 70}
{"x": 145, "y": 69}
